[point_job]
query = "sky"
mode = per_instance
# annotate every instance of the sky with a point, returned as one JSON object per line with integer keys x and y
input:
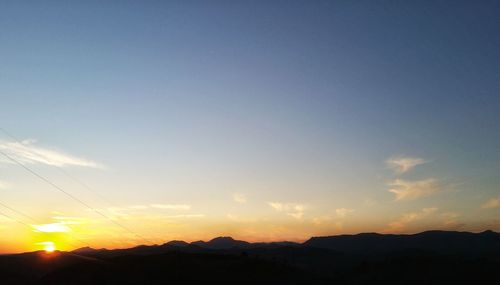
{"x": 140, "y": 122}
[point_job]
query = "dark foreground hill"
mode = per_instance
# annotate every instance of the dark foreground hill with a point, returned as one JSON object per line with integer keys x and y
{"x": 437, "y": 241}
{"x": 434, "y": 257}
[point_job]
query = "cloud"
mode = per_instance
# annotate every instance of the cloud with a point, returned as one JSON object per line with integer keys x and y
{"x": 240, "y": 198}
{"x": 29, "y": 153}
{"x": 342, "y": 212}
{"x": 401, "y": 223}
{"x": 171, "y": 206}
{"x": 59, "y": 227}
{"x": 186, "y": 216}
{"x": 491, "y": 203}
{"x": 402, "y": 164}
{"x": 291, "y": 209}
{"x": 410, "y": 190}
{"x": 296, "y": 215}
{"x": 46, "y": 243}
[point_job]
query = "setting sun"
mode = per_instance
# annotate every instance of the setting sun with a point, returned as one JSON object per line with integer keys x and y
{"x": 48, "y": 246}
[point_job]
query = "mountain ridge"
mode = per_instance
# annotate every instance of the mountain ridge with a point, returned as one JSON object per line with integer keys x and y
{"x": 445, "y": 257}
{"x": 370, "y": 241}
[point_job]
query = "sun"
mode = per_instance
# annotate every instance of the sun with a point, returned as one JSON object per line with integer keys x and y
{"x": 48, "y": 246}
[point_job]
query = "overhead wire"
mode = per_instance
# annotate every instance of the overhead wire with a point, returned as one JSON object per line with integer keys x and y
{"x": 30, "y": 226}
{"x": 66, "y": 173}
{"x": 73, "y": 197}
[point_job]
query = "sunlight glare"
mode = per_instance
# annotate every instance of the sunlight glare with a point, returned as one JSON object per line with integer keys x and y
{"x": 48, "y": 246}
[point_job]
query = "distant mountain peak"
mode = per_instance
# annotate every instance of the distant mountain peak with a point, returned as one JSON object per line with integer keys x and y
{"x": 86, "y": 249}
{"x": 225, "y": 238}
{"x": 490, "y": 233}
{"x": 179, "y": 243}
{"x": 223, "y": 242}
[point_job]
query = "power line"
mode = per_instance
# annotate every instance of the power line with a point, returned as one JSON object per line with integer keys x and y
{"x": 14, "y": 219}
{"x": 72, "y": 177}
{"x": 72, "y": 196}
{"x": 29, "y": 226}
{"x": 33, "y": 220}
{"x": 18, "y": 212}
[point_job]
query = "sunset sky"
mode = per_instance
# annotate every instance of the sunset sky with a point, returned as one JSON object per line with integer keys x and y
{"x": 260, "y": 120}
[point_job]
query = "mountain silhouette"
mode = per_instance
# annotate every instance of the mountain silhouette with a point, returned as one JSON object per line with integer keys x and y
{"x": 178, "y": 243}
{"x": 432, "y": 257}
{"x": 438, "y": 241}
{"x": 222, "y": 243}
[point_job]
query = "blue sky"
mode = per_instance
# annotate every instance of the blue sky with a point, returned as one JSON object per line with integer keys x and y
{"x": 292, "y": 102}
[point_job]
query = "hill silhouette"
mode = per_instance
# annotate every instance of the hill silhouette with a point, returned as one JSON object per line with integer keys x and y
{"x": 433, "y": 257}
{"x": 437, "y": 241}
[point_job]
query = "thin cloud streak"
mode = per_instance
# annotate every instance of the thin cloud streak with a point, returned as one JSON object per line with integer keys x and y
{"x": 401, "y": 223}
{"x": 186, "y": 216}
{"x": 343, "y": 212}
{"x": 291, "y": 209}
{"x": 28, "y": 152}
{"x": 411, "y": 190}
{"x": 59, "y": 227}
{"x": 402, "y": 164}
{"x": 492, "y": 203}
{"x": 171, "y": 206}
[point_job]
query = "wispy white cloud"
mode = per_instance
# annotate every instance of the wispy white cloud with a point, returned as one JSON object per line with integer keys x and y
{"x": 171, "y": 206}
{"x": 240, "y": 198}
{"x": 410, "y": 190}
{"x": 491, "y": 203}
{"x": 186, "y": 216}
{"x": 28, "y": 152}
{"x": 402, "y": 164}
{"x": 401, "y": 223}
{"x": 291, "y": 209}
{"x": 59, "y": 227}
{"x": 296, "y": 215}
{"x": 343, "y": 212}
{"x": 47, "y": 244}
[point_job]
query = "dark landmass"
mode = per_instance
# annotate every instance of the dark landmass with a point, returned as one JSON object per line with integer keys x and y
{"x": 433, "y": 257}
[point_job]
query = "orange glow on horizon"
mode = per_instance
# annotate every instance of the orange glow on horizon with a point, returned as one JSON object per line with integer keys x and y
{"x": 48, "y": 246}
